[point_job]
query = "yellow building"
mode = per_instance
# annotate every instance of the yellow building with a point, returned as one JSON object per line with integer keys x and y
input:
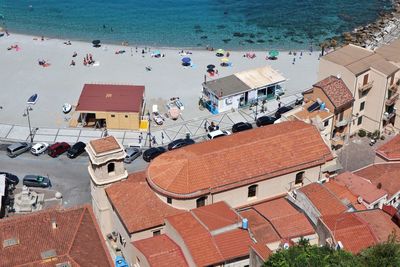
{"x": 113, "y": 106}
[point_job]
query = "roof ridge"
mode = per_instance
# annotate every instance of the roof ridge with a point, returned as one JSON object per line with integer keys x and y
{"x": 77, "y": 229}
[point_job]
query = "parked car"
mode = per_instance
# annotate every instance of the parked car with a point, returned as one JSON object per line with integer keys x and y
{"x": 57, "y": 149}
{"x": 131, "y": 154}
{"x": 152, "y": 153}
{"x": 158, "y": 119}
{"x": 36, "y": 181}
{"x": 17, "y": 149}
{"x": 218, "y": 133}
{"x": 11, "y": 178}
{"x": 32, "y": 99}
{"x": 241, "y": 126}
{"x": 178, "y": 143}
{"x": 265, "y": 120}
{"x": 76, "y": 150}
{"x": 282, "y": 110}
{"x": 39, "y": 148}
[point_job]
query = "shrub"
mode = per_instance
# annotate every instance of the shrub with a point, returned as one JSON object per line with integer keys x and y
{"x": 362, "y": 133}
{"x": 376, "y": 134}
{"x": 382, "y": 137}
{"x": 369, "y": 134}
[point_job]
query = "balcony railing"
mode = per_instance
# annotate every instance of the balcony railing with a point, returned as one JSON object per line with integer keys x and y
{"x": 387, "y": 116}
{"x": 365, "y": 87}
{"x": 391, "y": 100}
{"x": 341, "y": 123}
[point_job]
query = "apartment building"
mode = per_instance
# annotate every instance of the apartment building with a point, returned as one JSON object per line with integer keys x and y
{"x": 373, "y": 80}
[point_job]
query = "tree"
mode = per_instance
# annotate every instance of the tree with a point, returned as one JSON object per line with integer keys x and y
{"x": 382, "y": 255}
{"x": 305, "y": 255}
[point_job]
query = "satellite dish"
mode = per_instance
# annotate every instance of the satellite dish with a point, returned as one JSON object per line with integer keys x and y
{"x": 286, "y": 246}
{"x": 338, "y": 76}
{"x": 359, "y": 199}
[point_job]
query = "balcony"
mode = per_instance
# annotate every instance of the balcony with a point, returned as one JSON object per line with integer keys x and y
{"x": 387, "y": 116}
{"x": 341, "y": 123}
{"x": 391, "y": 100}
{"x": 394, "y": 88}
{"x": 365, "y": 87}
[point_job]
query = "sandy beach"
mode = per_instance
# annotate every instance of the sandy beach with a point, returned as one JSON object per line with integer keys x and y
{"x": 21, "y": 75}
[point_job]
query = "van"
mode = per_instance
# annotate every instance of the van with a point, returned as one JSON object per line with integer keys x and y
{"x": 57, "y": 149}
{"x": 17, "y": 149}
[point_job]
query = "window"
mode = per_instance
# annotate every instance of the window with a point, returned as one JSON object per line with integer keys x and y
{"x": 156, "y": 233}
{"x": 362, "y": 105}
{"x": 252, "y": 190}
{"x": 126, "y": 116}
{"x": 299, "y": 178}
{"x": 364, "y": 93}
{"x": 359, "y": 121}
{"x": 169, "y": 200}
{"x": 326, "y": 123}
{"x": 365, "y": 81}
{"x": 112, "y": 116}
{"x": 111, "y": 167}
{"x": 200, "y": 202}
{"x": 392, "y": 80}
{"x": 341, "y": 116}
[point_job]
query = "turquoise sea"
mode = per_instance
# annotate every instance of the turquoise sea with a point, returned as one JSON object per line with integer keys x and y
{"x": 234, "y": 24}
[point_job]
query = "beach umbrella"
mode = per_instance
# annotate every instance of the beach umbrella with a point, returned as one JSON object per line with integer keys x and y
{"x": 273, "y": 53}
{"x": 225, "y": 60}
{"x": 220, "y": 51}
{"x": 186, "y": 60}
{"x": 96, "y": 42}
{"x": 174, "y": 112}
{"x": 211, "y": 66}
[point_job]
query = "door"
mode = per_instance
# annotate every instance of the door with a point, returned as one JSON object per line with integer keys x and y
{"x": 365, "y": 79}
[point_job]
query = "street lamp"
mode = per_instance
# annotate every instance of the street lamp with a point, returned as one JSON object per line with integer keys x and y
{"x": 148, "y": 129}
{"x": 26, "y": 114}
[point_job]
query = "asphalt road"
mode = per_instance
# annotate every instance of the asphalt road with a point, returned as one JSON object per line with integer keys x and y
{"x": 68, "y": 176}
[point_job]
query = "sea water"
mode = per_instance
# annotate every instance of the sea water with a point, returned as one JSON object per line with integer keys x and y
{"x": 234, "y": 24}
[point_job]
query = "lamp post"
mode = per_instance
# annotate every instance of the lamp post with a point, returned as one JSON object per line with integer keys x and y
{"x": 149, "y": 132}
{"x": 26, "y": 114}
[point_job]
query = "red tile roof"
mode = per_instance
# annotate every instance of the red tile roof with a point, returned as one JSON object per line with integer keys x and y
{"x": 286, "y": 220}
{"x": 216, "y": 216}
{"x": 161, "y": 251}
{"x": 344, "y": 194}
{"x": 391, "y": 149}
{"x": 207, "y": 167}
{"x": 351, "y": 231}
{"x": 386, "y": 175}
{"x": 110, "y": 98}
{"x": 336, "y": 90}
{"x": 380, "y": 223}
{"x": 137, "y": 205}
{"x": 262, "y": 229}
{"x": 324, "y": 200}
{"x": 77, "y": 239}
{"x": 205, "y": 247}
{"x": 360, "y": 187}
{"x": 262, "y": 250}
{"x": 106, "y": 144}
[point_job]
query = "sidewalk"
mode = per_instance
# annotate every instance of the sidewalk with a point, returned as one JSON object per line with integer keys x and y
{"x": 162, "y": 134}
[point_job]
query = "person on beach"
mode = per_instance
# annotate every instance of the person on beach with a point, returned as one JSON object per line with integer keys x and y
{"x": 294, "y": 61}
{"x": 72, "y": 63}
{"x": 74, "y": 54}
{"x": 84, "y": 62}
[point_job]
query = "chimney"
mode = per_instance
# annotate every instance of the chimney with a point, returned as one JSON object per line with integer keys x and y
{"x": 53, "y": 224}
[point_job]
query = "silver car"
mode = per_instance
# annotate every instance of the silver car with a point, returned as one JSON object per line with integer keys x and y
{"x": 131, "y": 154}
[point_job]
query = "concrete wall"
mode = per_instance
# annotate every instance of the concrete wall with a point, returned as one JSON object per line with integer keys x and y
{"x": 101, "y": 208}
{"x": 302, "y": 201}
{"x": 101, "y": 174}
{"x": 140, "y": 259}
{"x": 255, "y": 260}
{"x": 238, "y": 197}
{"x": 229, "y": 103}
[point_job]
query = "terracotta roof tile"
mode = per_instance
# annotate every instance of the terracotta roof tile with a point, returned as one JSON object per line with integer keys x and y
{"x": 350, "y": 230}
{"x": 137, "y": 205}
{"x": 206, "y": 167}
{"x": 344, "y": 194}
{"x": 216, "y": 216}
{"x": 196, "y": 238}
{"x": 161, "y": 251}
{"x": 386, "y": 175}
{"x": 287, "y": 221}
{"x": 380, "y": 223}
{"x": 262, "y": 229}
{"x": 110, "y": 98}
{"x": 336, "y": 90}
{"x": 233, "y": 244}
{"x": 325, "y": 201}
{"x": 391, "y": 149}
{"x": 262, "y": 250}
{"x": 360, "y": 187}
{"x": 106, "y": 144}
{"x": 76, "y": 239}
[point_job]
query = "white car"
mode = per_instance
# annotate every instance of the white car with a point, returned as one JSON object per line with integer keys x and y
{"x": 39, "y": 148}
{"x": 66, "y": 108}
{"x": 218, "y": 133}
